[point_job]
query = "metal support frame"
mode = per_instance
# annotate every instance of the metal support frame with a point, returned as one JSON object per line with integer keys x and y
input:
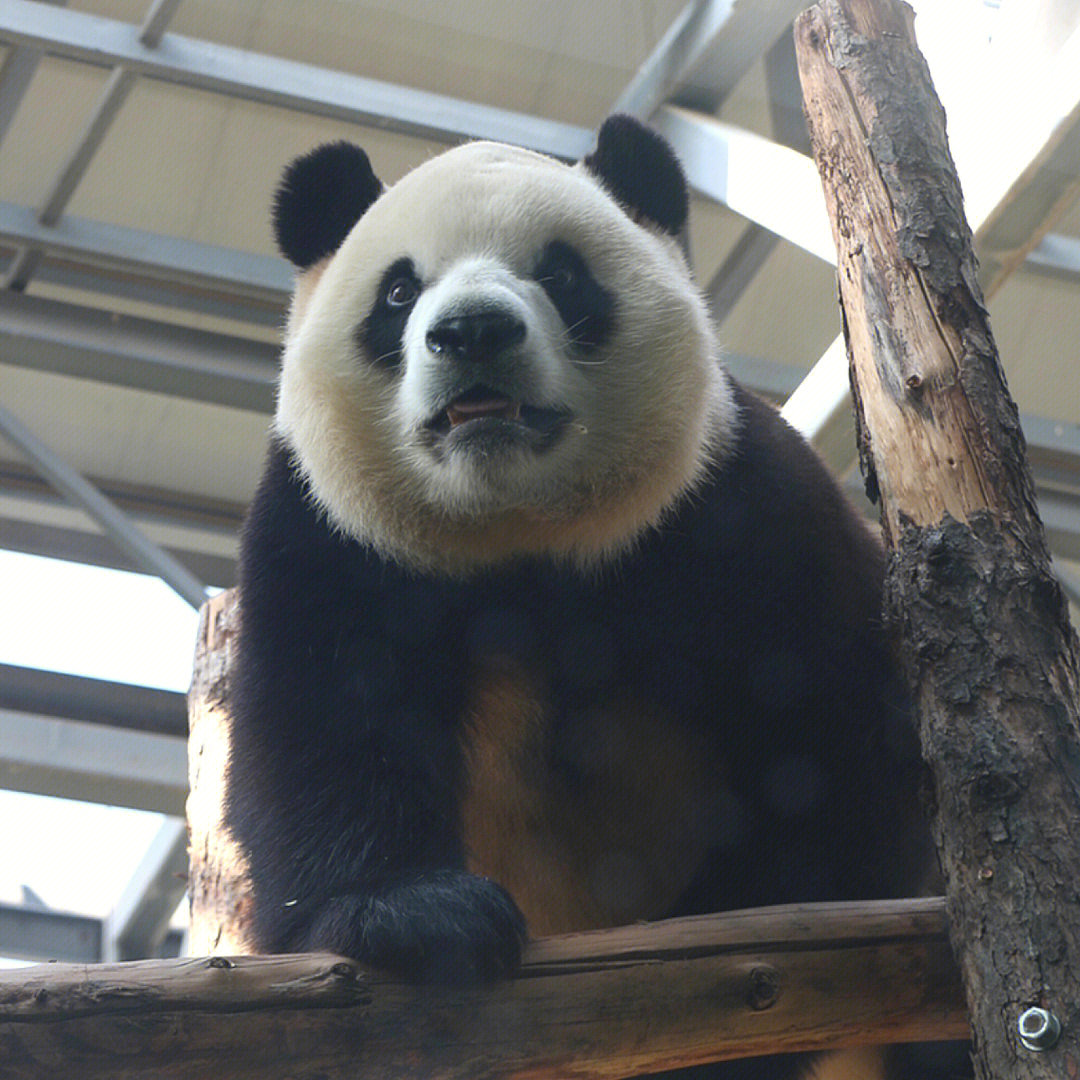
{"x": 32, "y": 933}
{"x": 29, "y": 933}
{"x": 205, "y": 65}
{"x": 136, "y": 251}
{"x": 690, "y": 37}
{"x": 111, "y": 100}
{"x": 137, "y": 926}
{"x": 735, "y": 167}
{"x": 47, "y": 756}
{"x": 75, "y": 544}
{"x": 16, "y": 73}
{"x": 747, "y": 173}
{"x": 1056, "y": 255}
{"x": 1070, "y": 584}
{"x": 741, "y": 265}
{"x": 93, "y": 701}
{"x": 88, "y": 343}
{"x": 100, "y": 285}
{"x": 753, "y": 248}
{"x": 746, "y": 36}
{"x": 741, "y": 170}
{"x": 80, "y": 491}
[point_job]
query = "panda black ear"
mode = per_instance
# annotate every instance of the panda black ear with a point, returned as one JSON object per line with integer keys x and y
{"x": 641, "y": 172}
{"x": 322, "y": 195}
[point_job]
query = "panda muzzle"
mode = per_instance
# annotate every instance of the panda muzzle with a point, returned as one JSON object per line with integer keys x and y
{"x": 481, "y": 403}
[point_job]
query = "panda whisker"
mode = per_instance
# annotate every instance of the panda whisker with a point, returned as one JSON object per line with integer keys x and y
{"x": 386, "y": 357}
{"x": 573, "y": 343}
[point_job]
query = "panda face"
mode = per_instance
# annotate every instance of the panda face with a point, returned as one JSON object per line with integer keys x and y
{"x": 497, "y": 360}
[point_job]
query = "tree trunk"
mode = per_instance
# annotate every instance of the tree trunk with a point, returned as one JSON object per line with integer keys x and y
{"x": 218, "y": 886}
{"x": 982, "y": 623}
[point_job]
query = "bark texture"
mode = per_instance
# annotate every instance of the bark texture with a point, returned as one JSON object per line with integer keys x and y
{"x": 218, "y": 886}
{"x": 982, "y": 623}
{"x": 596, "y": 1006}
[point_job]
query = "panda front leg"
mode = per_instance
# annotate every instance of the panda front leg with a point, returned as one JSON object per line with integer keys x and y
{"x": 351, "y": 836}
{"x": 353, "y": 848}
{"x": 343, "y": 788}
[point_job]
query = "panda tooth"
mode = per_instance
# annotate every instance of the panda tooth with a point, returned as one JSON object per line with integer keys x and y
{"x": 461, "y": 411}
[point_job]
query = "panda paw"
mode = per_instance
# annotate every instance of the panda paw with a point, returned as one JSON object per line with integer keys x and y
{"x": 444, "y": 927}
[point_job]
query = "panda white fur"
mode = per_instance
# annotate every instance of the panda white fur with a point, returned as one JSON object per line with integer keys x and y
{"x": 546, "y": 623}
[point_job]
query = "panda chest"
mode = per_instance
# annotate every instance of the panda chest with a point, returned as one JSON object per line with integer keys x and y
{"x": 590, "y": 815}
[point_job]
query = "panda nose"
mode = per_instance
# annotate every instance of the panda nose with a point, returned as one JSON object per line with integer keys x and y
{"x": 478, "y": 336}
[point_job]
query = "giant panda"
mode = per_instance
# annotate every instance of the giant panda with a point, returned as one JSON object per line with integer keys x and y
{"x": 546, "y": 623}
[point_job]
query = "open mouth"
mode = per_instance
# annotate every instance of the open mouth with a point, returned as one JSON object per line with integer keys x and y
{"x": 482, "y": 409}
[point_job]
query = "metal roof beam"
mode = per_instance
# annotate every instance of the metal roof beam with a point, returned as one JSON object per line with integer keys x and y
{"x": 16, "y": 73}
{"x": 205, "y": 65}
{"x": 149, "y": 557}
{"x": 88, "y": 343}
{"x": 749, "y": 31}
{"x": 155, "y": 507}
{"x": 112, "y": 98}
{"x": 47, "y": 756}
{"x": 93, "y": 701}
{"x": 1055, "y": 255}
{"x": 30, "y": 933}
{"x": 739, "y": 268}
{"x": 1060, "y": 515}
{"x": 100, "y": 285}
{"x": 93, "y": 549}
{"x": 224, "y": 278}
{"x": 136, "y": 927}
{"x": 708, "y": 48}
{"x": 200, "y": 531}
{"x": 687, "y": 40}
{"x": 772, "y": 185}
{"x": 110, "y": 101}
{"x": 754, "y": 246}
{"x": 135, "y": 251}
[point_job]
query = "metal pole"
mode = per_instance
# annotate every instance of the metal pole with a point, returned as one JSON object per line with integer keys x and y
{"x": 146, "y": 554}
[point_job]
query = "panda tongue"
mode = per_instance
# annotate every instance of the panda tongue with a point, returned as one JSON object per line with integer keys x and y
{"x": 461, "y": 411}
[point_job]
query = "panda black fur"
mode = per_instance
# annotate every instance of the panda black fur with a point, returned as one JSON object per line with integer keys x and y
{"x": 546, "y": 623}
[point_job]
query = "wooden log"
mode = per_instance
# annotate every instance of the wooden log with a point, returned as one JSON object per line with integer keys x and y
{"x": 217, "y": 874}
{"x": 605, "y": 1004}
{"x": 983, "y": 624}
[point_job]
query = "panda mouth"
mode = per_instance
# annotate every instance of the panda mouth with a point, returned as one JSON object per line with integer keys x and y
{"x": 482, "y": 409}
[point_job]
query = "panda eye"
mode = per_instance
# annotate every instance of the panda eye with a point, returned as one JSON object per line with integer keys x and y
{"x": 401, "y": 292}
{"x": 586, "y": 308}
{"x": 561, "y": 270}
{"x": 562, "y": 278}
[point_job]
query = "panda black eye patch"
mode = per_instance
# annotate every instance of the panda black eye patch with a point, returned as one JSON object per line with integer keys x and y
{"x": 586, "y": 308}
{"x": 380, "y": 334}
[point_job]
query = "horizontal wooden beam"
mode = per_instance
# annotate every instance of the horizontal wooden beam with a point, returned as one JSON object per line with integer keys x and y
{"x": 605, "y": 1004}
